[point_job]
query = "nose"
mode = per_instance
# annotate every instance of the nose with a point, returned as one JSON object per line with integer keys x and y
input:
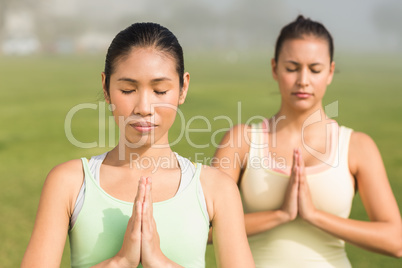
{"x": 303, "y": 79}
{"x": 143, "y": 105}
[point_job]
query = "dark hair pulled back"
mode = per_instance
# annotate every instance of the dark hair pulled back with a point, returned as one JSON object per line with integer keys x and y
{"x": 301, "y": 28}
{"x": 144, "y": 35}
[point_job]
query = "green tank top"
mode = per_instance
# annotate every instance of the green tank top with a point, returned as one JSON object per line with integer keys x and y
{"x": 98, "y": 233}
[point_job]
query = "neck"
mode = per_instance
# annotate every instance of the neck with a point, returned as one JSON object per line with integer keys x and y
{"x": 145, "y": 156}
{"x": 298, "y": 120}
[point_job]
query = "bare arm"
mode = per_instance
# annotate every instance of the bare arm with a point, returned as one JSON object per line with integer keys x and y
{"x": 225, "y": 210}
{"x": 231, "y": 158}
{"x": 45, "y": 248}
{"x": 383, "y": 233}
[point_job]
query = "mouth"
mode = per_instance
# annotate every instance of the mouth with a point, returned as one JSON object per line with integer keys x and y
{"x": 302, "y": 95}
{"x": 143, "y": 126}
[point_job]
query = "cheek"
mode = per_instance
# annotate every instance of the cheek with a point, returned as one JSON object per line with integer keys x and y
{"x": 167, "y": 108}
{"x": 170, "y": 100}
{"x": 122, "y": 106}
{"x": 286, "y": 81}
{"x": 166, "y": 111}
{"x": 321, "y": 82}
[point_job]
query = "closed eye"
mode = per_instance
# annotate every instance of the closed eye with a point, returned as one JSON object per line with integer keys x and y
{"x": 160, "y": 92}
{"x": 127, "y": 91}
{"x": 291, "y": 70}
{"x": 315, "y": 71}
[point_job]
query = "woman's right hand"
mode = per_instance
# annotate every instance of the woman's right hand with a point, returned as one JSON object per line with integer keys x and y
{"x": 130, "y": 252}
{"x": 290, "y": 203}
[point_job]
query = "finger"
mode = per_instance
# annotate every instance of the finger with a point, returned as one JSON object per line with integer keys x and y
{"x": 297, "y": 165}
{"x": 139, "y": 197}
{"x": 297, "y": 177}
{"x": 147, "y": 215}
{"x": 141, "y": 189}
{"x": 293, "y": 173}
{"x": 149, "y": 181}
{"x": 149, "y": 200}
{"x": 301, "y": 161}
{"x": 145, "y": 227}
{"x": 302, "y": 167}
{"x": 294, "y": 159}
{"x": 147, "y": 191}
{"x": 156, "y": 235}
{"x": 138, "y": 218}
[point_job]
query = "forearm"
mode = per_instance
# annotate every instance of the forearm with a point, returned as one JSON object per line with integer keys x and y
{"x": 259, "y": 222}
{"x": 381, "y": 237}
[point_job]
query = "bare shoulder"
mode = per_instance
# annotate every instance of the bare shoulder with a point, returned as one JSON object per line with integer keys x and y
{"x": 216, "y": 180}
{"x": 360, "y": 145}
{"x": 219, "y": 188}
{"x": 231, "y": 155}
{"x": 64, "y": 182}
{"x": 362, "y": 151}
{"x": 360, "y": 140}
{"x": 242, "y": 130}
{"x": 67, "y": 172}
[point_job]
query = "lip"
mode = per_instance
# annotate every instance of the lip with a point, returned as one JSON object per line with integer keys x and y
{"x": 143, "y": 126}
{"x": 302, "y": 95}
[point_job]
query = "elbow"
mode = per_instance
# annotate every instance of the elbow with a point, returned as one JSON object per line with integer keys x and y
{"x": 396, "y": 244}
{"x": 393, "y": 250}
{"x": 397, "y": 248}
{"x": 398, "y": 251}
{"x": 399, "y": 254}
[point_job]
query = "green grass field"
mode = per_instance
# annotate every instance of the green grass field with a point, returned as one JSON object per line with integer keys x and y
{"x": 38, "y": 92}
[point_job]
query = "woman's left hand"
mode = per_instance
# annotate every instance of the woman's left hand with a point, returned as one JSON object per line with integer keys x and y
{"x": 305, "y": 203}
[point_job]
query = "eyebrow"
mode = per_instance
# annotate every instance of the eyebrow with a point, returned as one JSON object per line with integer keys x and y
{"x": 296, "y": 63}
{"x": 153, "y": 81}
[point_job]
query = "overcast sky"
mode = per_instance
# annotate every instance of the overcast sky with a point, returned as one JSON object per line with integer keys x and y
{"x": 356, "y": 25}
{"x": 351, "y": 22}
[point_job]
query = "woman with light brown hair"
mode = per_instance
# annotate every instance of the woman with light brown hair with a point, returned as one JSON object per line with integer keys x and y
{"x": 298, "y": 171}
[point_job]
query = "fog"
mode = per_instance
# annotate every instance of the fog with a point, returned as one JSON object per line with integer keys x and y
{"x": 85, "y": 26}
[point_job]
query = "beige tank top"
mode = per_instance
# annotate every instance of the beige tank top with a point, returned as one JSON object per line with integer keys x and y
{"x": 263, "y": 186}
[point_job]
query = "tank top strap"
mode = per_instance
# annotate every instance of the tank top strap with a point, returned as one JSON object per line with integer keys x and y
{"x": 91, "y": 175}
{"x": 200, "y": 193}
{"x": 86, "y": 167}
{"x": 259, "y": 139}
{"x": 94, "y": 165}
{"x": 344, "y": 141}
{"x": 90, "y": 171}
{"x": 81, "y": 194}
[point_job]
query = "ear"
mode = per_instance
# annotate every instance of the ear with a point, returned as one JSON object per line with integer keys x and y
{"x": 331, "y": 73}
{"x": 184, "y": 90}
{"x": 274, "y": 70}
{"x": 105, "y": 94}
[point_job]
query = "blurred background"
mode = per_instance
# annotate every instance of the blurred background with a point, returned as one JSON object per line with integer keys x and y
{"x": 52, "y": 53}
{"x": 76, "y": 26}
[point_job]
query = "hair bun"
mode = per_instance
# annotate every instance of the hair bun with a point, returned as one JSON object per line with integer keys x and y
{"x": 300, "y": 18}
{"x": 300, "y": 28}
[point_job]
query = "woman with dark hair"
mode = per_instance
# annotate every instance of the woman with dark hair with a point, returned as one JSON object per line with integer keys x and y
{"x": 298, "y": 171}
{"x": 92, "y": 200}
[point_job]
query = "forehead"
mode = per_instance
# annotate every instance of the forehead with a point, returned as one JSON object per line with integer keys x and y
{"x": 308, "y": 48}
{"x": 146, "y": 61}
